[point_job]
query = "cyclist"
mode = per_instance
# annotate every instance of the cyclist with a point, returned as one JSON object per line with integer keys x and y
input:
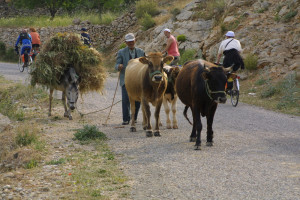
{"x": 85, "y": 37}
{"x": 231, "y": 48}
{"x": 25, "y": 40}
{"x": 36, "y": 42}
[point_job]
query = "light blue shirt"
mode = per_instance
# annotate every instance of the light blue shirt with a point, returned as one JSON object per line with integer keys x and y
{"x": 123, "y": 57}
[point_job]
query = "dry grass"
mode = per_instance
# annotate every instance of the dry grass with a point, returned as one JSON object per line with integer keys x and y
{"x": 271, "y": 94}
{"x": 169, "y": 6}
{"x": 62, "y": 51}
{"x": 18, "y": 150}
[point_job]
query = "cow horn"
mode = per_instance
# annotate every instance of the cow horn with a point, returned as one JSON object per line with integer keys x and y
{"x": 227, "y": 69}
{"x": 206, "y": 68}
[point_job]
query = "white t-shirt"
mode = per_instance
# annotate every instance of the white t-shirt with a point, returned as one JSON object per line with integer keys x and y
{"x": 234, "y": 44}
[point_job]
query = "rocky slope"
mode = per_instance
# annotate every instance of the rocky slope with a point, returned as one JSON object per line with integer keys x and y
{"x": 263, "y": 27}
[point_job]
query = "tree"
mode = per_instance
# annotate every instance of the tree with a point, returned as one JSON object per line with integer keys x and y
{"x": 51, "y": 5}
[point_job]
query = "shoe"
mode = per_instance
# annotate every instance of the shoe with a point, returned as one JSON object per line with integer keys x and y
{"x": 125, "y": 123}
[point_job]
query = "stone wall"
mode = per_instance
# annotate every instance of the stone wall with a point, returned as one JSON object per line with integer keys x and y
{"x": 101, "y": 35}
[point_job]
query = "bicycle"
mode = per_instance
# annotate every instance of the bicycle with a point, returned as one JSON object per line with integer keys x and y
{"x": 234, "y": 92}
{"x": 31, "y": 57}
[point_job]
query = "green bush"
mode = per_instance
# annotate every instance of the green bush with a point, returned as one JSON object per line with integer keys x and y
{"x": 56, "y": 162}
{"x": 175, "y": 12}
{"x": 31, "y": 164}
{"x": 210, "y": 9}
{"x": 147, "y": 22}
{"x": 250, "y": 62}
{"x": 181, "y": 38}
{"x": 25, "y": 138}
{"x": 89, "y": 133}
{"x": 2, "y": 48}
{"x": 290, "y": 92}
{"x": 122, "y": 46}
{"x": 108, "y": 17}
{"x": 7, "y": 55}
{"x": 9, "y": 108}
{"x": 277, "y": 18}
{"x": 269, "y": 91}
{"x": 287, "y": 17}
{"x": 187, "y": 55}
{"x": 146, "y": 6}
{"x": 261, "y": 81}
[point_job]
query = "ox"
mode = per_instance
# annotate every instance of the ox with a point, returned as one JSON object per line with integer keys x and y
{"x": 200, "y": 85}
{"x": 145, "y": 81}
{"x": 68, "y": 84}
{"x": 170, "y": 95}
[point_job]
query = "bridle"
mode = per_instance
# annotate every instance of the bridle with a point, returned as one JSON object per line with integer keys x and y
{"x": 209, "y": 92}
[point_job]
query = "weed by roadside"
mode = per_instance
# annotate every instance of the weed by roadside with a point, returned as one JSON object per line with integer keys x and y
{"x": 282, "y": 96}
{"x": 88, "y": 133}
{"x": 13, "y": 95}
{"x": 250, "y": 62}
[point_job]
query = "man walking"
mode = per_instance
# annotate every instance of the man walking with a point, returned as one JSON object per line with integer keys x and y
{"x": 124, "y": 55}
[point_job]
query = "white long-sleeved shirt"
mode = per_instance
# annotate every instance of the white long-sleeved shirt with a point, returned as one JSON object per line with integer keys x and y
{"x": 234, "y": 44}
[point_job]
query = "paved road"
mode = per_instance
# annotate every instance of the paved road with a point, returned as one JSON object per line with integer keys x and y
{"x": 256, "y": 153}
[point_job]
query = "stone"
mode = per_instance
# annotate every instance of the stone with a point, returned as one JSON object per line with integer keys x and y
{"x": 4, "y": 123}
{"x": 294, "y": 66}
{"x": 229, "y": 19}
{"x": 44, "y": 189}
{"x": 9, "y": 175}
{"x": 76, "y": 21}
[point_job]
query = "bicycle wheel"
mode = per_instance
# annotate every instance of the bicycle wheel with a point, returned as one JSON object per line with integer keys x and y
{"x": 29, "y": 66}
{"x": 234, "y": 97}
{"x": 234, "y": 94}
{"x": 20, "y": 64}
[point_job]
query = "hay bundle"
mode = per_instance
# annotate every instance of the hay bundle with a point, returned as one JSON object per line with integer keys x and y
{"x": 62, "y": 51}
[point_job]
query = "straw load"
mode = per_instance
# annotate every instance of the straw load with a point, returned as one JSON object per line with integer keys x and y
{"x": 62, "y": 51}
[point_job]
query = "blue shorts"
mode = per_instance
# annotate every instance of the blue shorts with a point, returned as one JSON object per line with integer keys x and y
{"x": 24, "y": 48}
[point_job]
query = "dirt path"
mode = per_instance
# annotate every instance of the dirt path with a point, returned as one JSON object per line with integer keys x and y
{"x": 255, "y": 153}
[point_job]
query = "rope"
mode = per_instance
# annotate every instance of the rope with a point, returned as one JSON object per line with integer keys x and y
{"x": 82, "y": 114}
{"x": 209, "y": 92}
{"x": 113, "y": 98}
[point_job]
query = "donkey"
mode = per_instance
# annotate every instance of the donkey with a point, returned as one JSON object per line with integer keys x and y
{"x": 68, "y": 84}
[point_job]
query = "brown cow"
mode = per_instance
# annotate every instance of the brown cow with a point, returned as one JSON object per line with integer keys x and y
{"x": 146, "y": 82}
{"x": 170, "y": 95}
{"x": 200, "y": 85}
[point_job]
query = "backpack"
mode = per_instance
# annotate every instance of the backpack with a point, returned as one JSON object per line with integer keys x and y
{"x": 24, "y": 36}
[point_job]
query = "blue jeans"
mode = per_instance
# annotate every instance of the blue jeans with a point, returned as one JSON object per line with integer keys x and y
{"x": 126, "y": 106}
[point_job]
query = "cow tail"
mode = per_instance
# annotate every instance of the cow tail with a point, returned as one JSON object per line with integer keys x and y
{"x": 185, "y": 114}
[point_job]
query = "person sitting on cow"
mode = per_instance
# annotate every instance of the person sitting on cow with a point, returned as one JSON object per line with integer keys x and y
{"x": 231, "y": 49}
{"x": 171, "y": 47}
{"x": 25, "y": 41}
{"x": 123, "y": 56}
{"x": 85, "y": 37}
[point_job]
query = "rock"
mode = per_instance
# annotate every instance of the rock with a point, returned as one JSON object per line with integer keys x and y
{"x": 284, "y": 10}
{"x": 76, "y": 21}
{"x": 9, "y": 175}
{"x": 7, "y": 187}
{"x": 4, "y": 123}
{"x": 44, "y": 189}
{"x": 294, "y": 66}
{"x": 229, "y": 19}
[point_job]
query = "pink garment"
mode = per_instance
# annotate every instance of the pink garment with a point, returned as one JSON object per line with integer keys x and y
{"x": 173, "y": 49}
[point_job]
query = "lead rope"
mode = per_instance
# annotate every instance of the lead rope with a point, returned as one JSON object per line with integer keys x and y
{"x": 113, "y": 98}
{"x": 82, "y": 114}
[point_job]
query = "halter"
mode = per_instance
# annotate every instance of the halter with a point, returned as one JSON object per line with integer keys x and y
{"x": 209, "y": 92}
